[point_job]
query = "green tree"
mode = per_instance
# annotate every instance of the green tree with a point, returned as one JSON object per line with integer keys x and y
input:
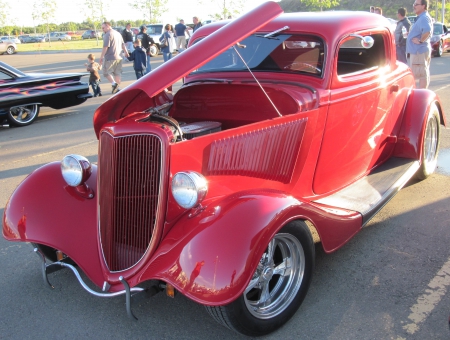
{"x": 226, "y": 8}
{"x": 44, "y": 10}
{"x": 151, "y": 9}
{"x": 95, "y": 11}
{"x": 320, "y": 4}
{"x": 4, "y": 13}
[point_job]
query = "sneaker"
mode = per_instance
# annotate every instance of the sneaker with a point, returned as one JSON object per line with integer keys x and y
{"x": 99, "y": 94}
{"x": 95, "y": 95}
{"x": 114, "y": 88}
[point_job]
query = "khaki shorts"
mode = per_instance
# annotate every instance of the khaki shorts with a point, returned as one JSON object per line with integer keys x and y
{"x": 420, "y": 66}
{"x": 112, "y": 67}
{"x": 181, "y": 42}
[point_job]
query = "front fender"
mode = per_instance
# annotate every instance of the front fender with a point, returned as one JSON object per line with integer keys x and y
{"x": 44, "y": 209}
{"x": 409, "y": 141}
{"x": 211, "y": 257}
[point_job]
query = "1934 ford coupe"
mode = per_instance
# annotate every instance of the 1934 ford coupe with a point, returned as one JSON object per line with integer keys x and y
{"x": 287, "y": 131}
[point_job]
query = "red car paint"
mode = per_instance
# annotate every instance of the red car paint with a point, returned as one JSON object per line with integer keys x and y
{"x": 264, "y": 169}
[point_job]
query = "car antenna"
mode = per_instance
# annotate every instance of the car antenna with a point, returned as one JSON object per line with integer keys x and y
{"x": 248, "y": 68}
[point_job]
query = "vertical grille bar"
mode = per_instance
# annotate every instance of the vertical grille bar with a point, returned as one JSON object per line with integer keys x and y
{"x": 129, "y": 184}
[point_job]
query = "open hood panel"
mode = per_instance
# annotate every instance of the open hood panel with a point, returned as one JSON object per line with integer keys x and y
{"x": 141, "y": 95}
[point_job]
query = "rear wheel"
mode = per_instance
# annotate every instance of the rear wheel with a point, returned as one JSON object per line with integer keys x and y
{"x": 23, "y": 115}
{"x": 10, "y": 50}
{"x": 440, "y": 49}
{"x": 430, "y": 144}
{"x": 277, "y": 287}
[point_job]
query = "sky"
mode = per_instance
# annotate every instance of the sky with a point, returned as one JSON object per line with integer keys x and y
{"x": 73, "y": 10}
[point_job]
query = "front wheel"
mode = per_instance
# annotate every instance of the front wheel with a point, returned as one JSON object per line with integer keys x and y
{"x": 23, "y": 115}
{"x": 430, "y": 144}
{"x": 278, "y": 286}
{"x": 440, "y": 50}
{"x": 154, "y": 51}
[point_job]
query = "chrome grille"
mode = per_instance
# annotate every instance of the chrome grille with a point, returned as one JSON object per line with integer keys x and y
{"x": 129, "y": 185}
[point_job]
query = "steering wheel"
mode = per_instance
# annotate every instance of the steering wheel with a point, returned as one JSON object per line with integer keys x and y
{"x": 301, "y": 66}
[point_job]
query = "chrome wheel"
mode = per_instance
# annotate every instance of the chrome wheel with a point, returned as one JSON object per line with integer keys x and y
{"x": 23, "y": 115}
{"x": 277, "y": 278}
{"x": 154, "y": 51}
{"x": 430, "y": 144}
{"x": 277, "y": 287}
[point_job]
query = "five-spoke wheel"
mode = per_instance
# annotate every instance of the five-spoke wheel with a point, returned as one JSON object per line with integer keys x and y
{"x": 277, "y": 287}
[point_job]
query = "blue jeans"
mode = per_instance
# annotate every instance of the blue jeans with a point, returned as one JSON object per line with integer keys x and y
{"x": 139, "y": 73}
{"x": 167, "y": 56}
{"x": 149, "y": 67}
{"x": 95, "y": 87}
{"x": 401, "y": 54}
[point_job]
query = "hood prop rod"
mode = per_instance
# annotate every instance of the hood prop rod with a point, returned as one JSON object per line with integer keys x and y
{"x": 248, "y": 68}
{"x": 50, "y": 268}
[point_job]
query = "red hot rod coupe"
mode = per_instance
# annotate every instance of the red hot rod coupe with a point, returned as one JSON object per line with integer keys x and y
{"x": 289, "y": 130}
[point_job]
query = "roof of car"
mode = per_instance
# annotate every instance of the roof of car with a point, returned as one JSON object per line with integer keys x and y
{"x": 328, "y": 24}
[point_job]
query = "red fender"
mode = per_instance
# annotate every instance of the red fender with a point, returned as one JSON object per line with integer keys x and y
{"x": 409, "y": 141}
{"x": 211, "y": 257}
{"x": 44, "y": 209}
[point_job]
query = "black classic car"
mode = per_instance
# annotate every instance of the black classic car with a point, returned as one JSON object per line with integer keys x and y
{"x": 22, "y": 94}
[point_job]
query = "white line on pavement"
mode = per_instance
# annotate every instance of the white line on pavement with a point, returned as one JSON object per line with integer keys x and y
{"x": 429, "y": 300}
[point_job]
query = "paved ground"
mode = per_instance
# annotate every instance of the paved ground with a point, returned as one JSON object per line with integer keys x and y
{"x": 389, "y": 282}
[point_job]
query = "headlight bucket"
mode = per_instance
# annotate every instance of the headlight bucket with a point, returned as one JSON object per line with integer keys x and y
{"x": 75, "y": 170}
{"x": 189, "y": 188}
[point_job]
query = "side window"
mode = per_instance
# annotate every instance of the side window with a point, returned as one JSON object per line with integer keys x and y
{"x": 4, "y": 76}
{"x": 353, "y": 58}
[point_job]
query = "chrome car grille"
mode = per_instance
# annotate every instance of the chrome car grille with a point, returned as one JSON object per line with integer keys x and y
{"x": 129, "y": 186}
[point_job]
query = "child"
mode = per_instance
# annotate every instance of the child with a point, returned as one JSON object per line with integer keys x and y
{"x": 139, "y": 58}
{"x": 94, "y": 78}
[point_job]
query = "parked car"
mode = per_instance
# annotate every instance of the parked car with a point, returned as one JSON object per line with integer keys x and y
{"x": 7, "y": 47}
{"x": 440, "y": 40}
{"x": 412, "y": 18}
{"x": 91, "y": 34}
{"x": 10, "y": 39}
{"x": 57, "y": 36}
{"x": 220, "y": 191}
{"x": 155, "y": 31}
{"x": 135, "y": 30}
{"x": 22, "y": 94}
{"x": 31, "y": 38}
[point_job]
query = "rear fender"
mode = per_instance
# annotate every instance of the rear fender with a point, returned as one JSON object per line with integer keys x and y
{"x": 409, "y": 141}
{"x": 44, "y": 209}
{"x": 212, "y": 256}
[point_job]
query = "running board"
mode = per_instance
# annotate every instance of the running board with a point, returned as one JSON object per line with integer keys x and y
{"x": 369, "y": 194}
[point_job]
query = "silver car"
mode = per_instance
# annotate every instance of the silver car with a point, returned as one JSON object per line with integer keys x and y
{"x": 10, "y": 38}
{"x": 57, "y": 36}
{"x": 7, "y": 47}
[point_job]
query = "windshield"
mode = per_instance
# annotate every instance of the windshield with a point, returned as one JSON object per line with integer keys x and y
{"x": 154, "y": 29}
{"x": 285, "y": 53}
{"x": 437, "y": 29}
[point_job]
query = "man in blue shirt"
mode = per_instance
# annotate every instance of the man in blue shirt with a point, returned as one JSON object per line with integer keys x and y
{"x": 418, "y": 44}
{"x": 180, "y": 29}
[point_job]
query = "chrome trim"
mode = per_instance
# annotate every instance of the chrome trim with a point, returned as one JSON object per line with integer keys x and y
{"x": 157, "y": 210}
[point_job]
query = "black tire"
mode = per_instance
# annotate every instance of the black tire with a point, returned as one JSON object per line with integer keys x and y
{"x": 23, "y": 115}
{"x": 10, "y": 50}
{"x": 440, "y": 49}
{"x": 154, "y": 51}
{"x": 430, "y": 144}
{"x": 248, "y": 314}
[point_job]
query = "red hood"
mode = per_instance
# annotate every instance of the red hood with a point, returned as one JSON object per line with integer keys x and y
{"x": 141, "y": 95}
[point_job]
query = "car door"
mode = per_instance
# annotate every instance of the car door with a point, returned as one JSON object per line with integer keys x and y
{"x": 361, "y": 117}
{"x": 446, "y": 38}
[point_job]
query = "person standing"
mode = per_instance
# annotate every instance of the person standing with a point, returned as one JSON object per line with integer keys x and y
{"x": 112, "y": 45}
{"x": 146, "y": 42}
{"x": 127, "y": 36}
{"x": 372, "y": 9}
{"x": 166, "y": 40}
{"x": 138, "y": 56}
{"x": 402, "y": 29}
{"x": 197, "y": 24}
{"x": 180, "y": 30}
{"x": 418, "y": 44}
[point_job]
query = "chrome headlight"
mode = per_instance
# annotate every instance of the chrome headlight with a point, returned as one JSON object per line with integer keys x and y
{"x": 75, "y": 169}
{"x": 189, "y": 188}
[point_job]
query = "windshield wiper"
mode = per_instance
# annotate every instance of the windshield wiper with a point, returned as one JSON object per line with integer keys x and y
{"x": 271, "y": 34}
